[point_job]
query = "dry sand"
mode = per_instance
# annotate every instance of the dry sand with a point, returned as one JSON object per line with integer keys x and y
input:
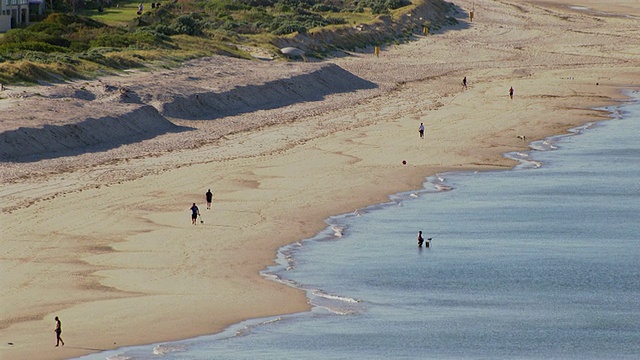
{"x": 102, "y": 237}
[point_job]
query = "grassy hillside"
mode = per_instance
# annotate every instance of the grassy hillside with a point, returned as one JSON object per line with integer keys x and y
{"x": 95, "y": 41}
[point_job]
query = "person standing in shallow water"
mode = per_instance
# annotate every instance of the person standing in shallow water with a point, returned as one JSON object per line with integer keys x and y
{"x": 58, "y": 331}
{"x": 209, "y": 197}
{"x": 420, "y": 239}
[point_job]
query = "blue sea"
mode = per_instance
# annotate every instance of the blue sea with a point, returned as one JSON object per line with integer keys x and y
{"x": 538, "y": 262}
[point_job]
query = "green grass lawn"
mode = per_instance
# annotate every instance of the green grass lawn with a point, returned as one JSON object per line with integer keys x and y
{"x": 117, "y": 16}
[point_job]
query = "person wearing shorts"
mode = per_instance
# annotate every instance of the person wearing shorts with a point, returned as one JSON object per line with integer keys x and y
{"x": 194, "y": 214}
{"x": 209, "y": 196}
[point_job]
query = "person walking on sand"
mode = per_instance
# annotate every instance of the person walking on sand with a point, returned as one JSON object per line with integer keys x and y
{"x": 58, "y": 331}
{"x": 464, "y": 82}
{"x": 511, "y": 93}
{"x": 209, "y": 197}
{"x": 421, "y": 130}
{"x": 420, "y": 239}
{"x": 195, "y": 212}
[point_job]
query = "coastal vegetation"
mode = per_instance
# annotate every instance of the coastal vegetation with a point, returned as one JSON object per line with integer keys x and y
{"x": 95, "y": 37}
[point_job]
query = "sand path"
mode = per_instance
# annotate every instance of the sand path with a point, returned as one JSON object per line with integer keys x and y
{"x": 104, "y": 240}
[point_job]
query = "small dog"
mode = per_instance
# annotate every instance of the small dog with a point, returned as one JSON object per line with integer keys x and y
{"x": 522, "y": 137}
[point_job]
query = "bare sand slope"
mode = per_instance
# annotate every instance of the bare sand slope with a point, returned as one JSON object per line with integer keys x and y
{"x": 103, "y": 239}
{"x": 123, "y": 114}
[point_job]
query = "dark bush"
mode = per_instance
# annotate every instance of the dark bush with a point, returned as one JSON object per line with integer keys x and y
{"x": 335, "y": 21}
{"x": 378, "y": 7}
{"x": 186, "y": 25}
{"x": 325, "y": 8}
{"x": 50, "y": 28}
{"x": 164, "y": 29}
{"x": 396, "y": 4}
{"x": 257, "y": 3}
{"x": 79, "y": 46}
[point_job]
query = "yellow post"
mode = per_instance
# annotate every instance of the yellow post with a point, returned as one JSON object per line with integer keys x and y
{"x": 471, "y": 15}
{"x": 376, "y": 50}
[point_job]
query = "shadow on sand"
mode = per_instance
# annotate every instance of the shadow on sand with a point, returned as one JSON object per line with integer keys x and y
{"x": 314, "y": 86}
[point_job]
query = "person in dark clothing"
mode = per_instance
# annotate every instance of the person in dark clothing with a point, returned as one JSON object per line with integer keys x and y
{"x": 194, "y": 213}
{"x": 58, "y": 331}
{"x": 209, "y": 197}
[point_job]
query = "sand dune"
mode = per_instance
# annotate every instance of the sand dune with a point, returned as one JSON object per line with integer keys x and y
{"x": 90, "y": 135}
{"x": 130, "y": 119}
{"x": 328, "y": 79}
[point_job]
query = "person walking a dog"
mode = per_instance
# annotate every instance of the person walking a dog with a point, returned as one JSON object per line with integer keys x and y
{"x": 195, "y": 212}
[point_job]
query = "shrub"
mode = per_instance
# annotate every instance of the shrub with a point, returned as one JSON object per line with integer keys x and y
{"x": 257, "y": 3}
{"x": 257, "y": 16}
{"x": 164, "y": 29}
{"x": 112, "y": 40}
{"x": 324, "y": 8}
{"x": 73, "y": 21}
{"x": 378, "y": 7}
{"x": 396, "y": 4}
{"x": 186, "y": 25}
{"x": 16, "y": 36}
{"x": 290, "y": 27}
{"x": 36, "y": 46}
{"x": 79, "y": 46}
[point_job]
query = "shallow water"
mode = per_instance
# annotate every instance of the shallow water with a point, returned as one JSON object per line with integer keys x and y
{"x": 542, "y": 261}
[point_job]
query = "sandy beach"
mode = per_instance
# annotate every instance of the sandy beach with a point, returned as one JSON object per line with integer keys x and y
{"x": 98, "y": 176}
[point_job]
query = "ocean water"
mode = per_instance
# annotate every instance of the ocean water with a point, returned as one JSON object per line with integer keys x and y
{"x": 538, "y": 262}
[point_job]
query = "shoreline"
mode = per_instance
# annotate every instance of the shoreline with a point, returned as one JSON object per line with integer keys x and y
{"x": 272, "y": 272}
{"x": 199, "y": 280}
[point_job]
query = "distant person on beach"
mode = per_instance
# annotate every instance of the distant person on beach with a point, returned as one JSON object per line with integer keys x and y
{"x": 420, "y": 239}
{"x": 58, "y": 331}
{"x": 464, "y": 82}
{"x": 209, "y": 196}
{"x": 194, "y": 213}
{"x": 421, "y": 130}
{"x": 511, "y": 93}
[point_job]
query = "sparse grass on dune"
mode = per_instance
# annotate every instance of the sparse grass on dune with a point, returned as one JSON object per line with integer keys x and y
{"x": 117, "y": 38}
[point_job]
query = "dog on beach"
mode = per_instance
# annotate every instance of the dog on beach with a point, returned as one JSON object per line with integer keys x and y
{"x": 522, "y": 137}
